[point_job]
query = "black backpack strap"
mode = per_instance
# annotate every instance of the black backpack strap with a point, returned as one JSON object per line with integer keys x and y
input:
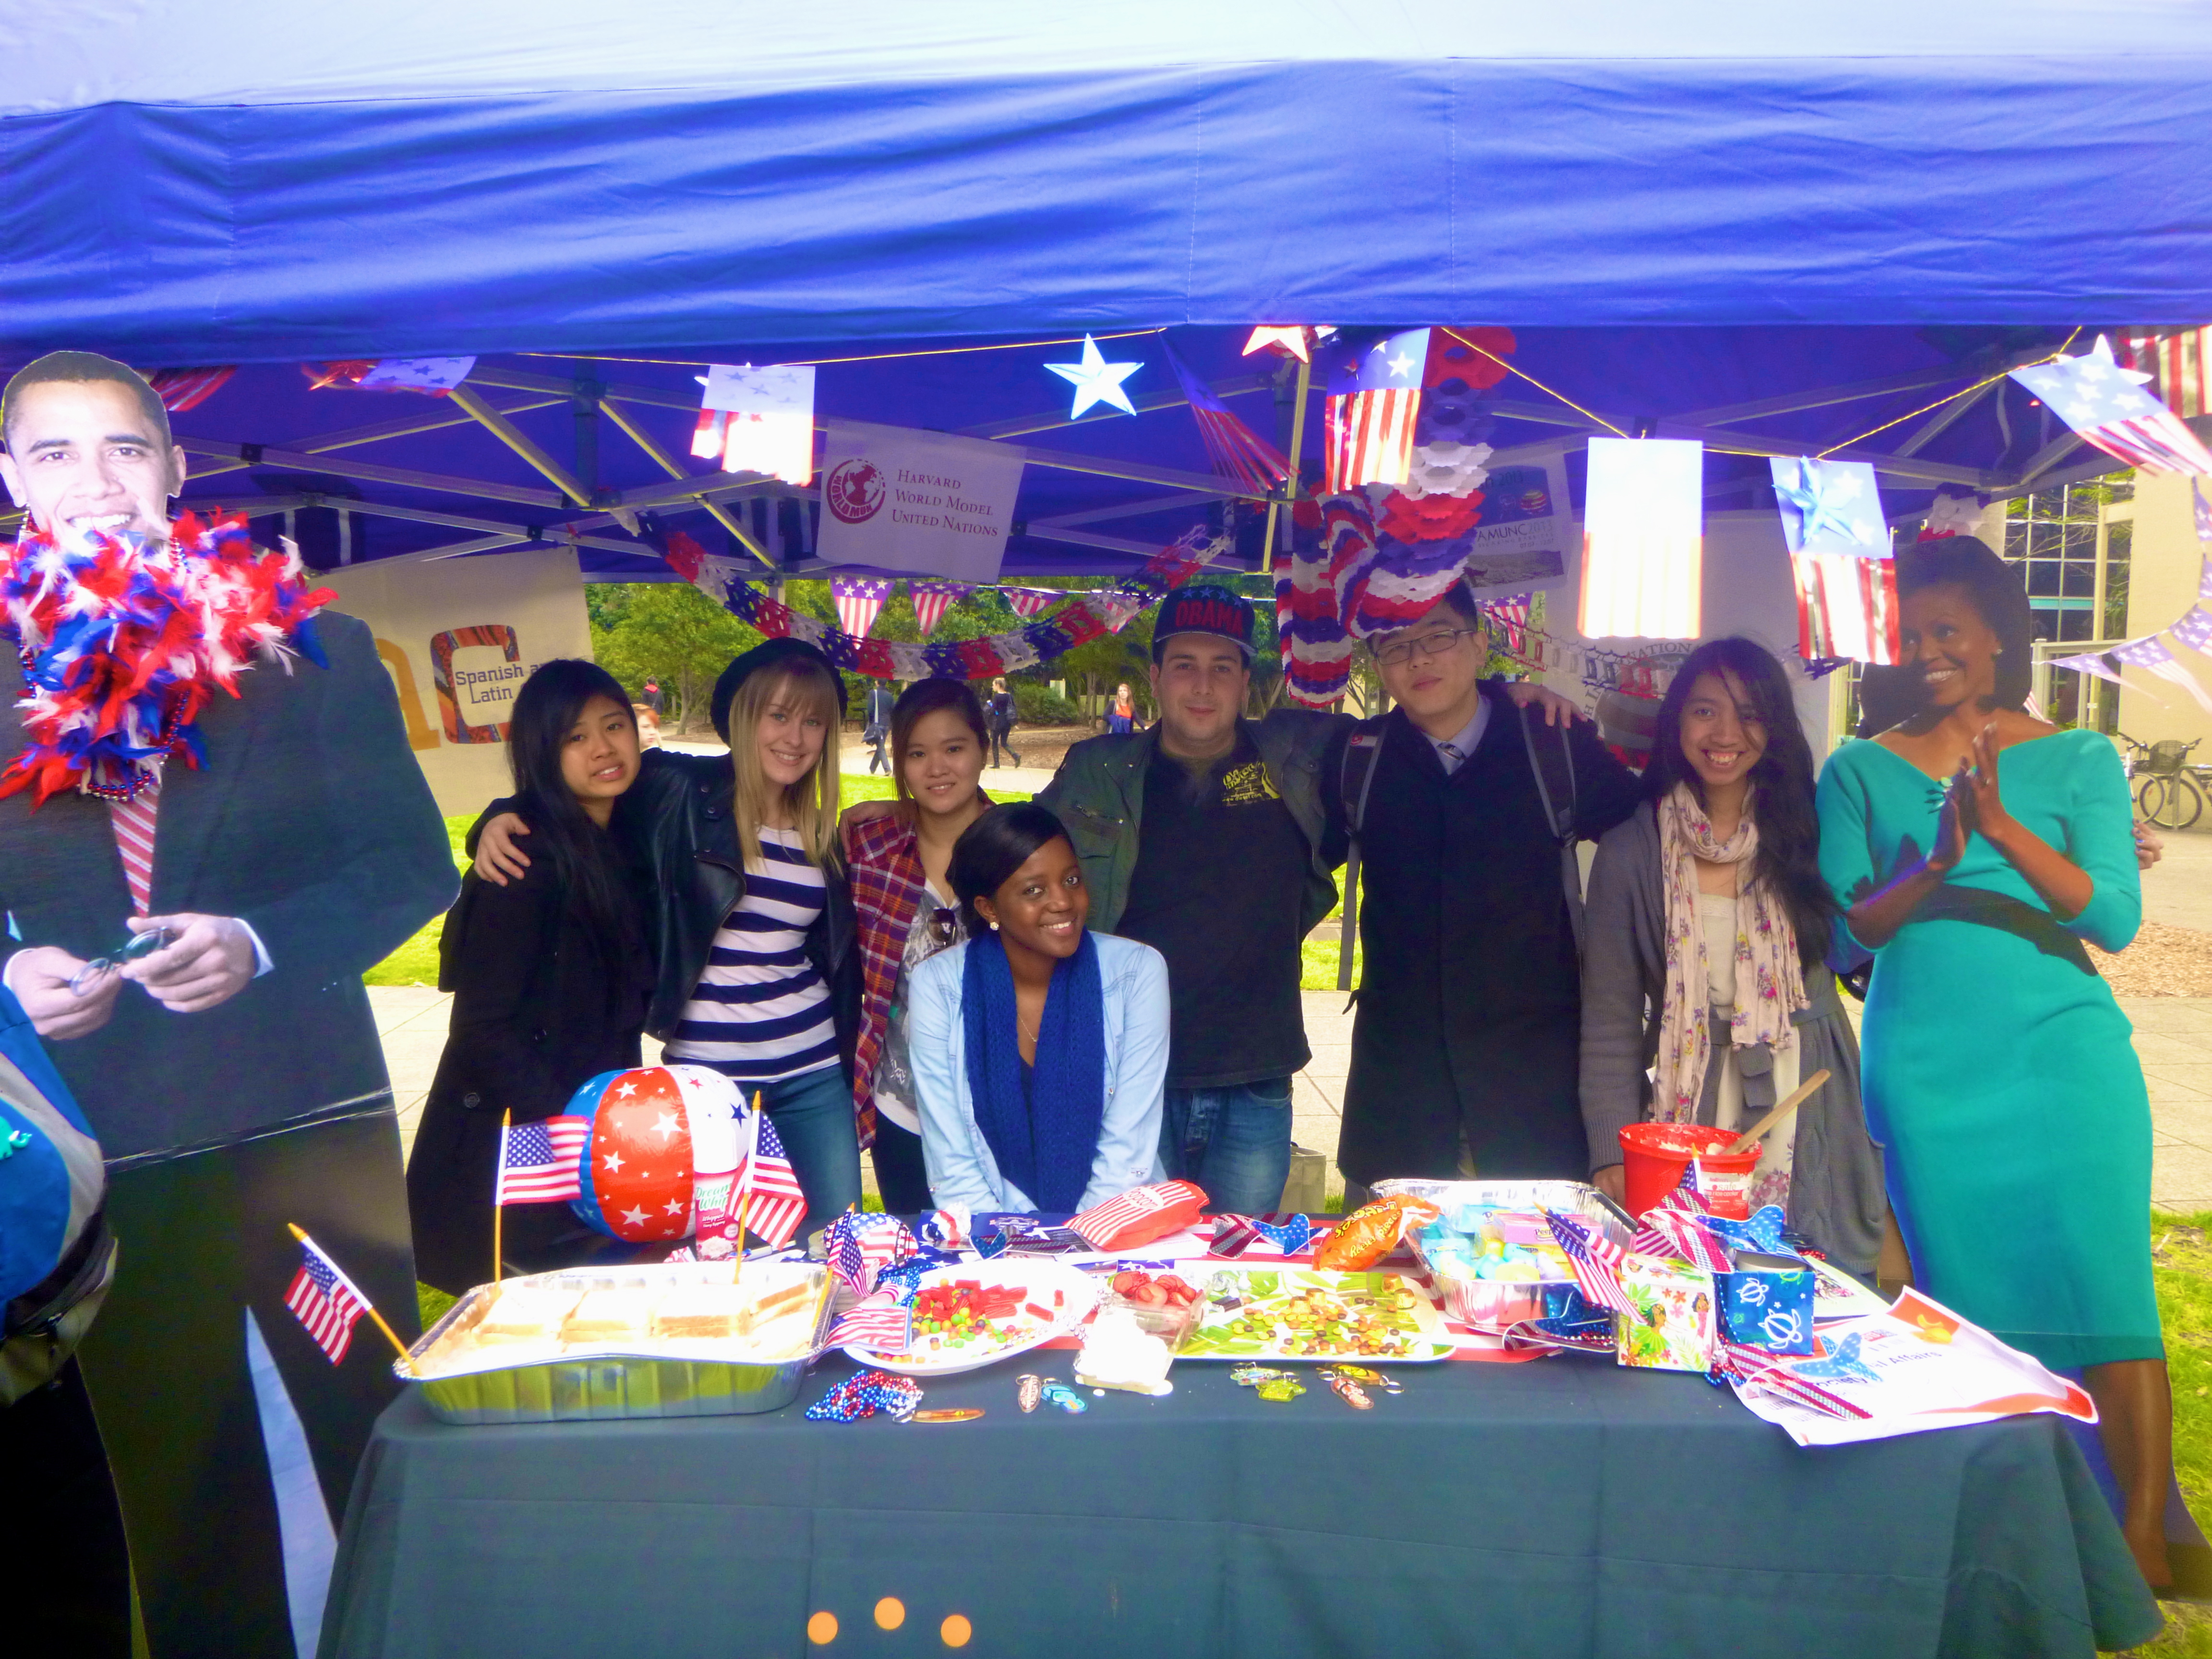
{"x": 1361, "y": 750}
{"x": 1553, "y": 763}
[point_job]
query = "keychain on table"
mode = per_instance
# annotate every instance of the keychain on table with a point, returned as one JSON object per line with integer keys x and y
{"x": 1057, "y": 1392}
{"x": 1028, "y": 1390}
{"x": 948, "y": 1414}
{"x": 1350, "y": 1391}
{"x": 1371, "y": 1377}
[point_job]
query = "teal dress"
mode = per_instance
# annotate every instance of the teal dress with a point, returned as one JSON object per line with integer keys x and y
{"x": 1998, "y": 1070}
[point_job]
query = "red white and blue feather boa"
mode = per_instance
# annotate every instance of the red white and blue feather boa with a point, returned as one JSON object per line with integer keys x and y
{"x": 125, "y": 643}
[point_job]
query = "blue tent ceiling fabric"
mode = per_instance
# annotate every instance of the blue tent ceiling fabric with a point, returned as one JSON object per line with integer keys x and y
{"x": 1685, "y": 212}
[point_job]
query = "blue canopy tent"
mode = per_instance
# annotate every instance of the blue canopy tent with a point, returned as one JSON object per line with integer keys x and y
{"x": 1776, "y": 232}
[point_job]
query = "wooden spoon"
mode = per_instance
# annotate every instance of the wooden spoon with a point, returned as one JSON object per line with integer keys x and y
{"x": 1798, "y": 1097}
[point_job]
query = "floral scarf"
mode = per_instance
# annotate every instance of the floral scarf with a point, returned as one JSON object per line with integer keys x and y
{"x": 1766, "y": 964}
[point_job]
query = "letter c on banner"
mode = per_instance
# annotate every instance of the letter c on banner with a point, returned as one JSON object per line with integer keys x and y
{"x": 421, "y": 734}
{"x": 442, "y": 675}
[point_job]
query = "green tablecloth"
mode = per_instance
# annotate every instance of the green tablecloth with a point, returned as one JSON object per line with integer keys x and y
{"x": 1564, "y": 1507}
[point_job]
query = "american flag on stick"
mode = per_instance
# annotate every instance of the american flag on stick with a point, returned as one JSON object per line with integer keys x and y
{"x": 542, "y": 1163}
{"x": 2106, "y": 404}
{"x": 1595, "y": 1258}
{"x": 324, "y": 1299}
{"x": 775, "y": 1205}
{"x": 880, "y": 1324}
{"x": 1374, "y": 403}
{"x": 1236, "y": 449}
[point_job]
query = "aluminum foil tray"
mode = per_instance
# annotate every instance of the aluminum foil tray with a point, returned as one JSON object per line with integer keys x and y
{"x": 1491, "y": 1304}
{"x": 601, "y": 1386}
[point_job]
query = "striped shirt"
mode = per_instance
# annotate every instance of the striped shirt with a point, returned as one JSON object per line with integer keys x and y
{"x": 760, "y": 1011}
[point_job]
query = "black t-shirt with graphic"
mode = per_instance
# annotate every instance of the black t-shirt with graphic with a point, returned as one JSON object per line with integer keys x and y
{"x": 1221, "y": 873}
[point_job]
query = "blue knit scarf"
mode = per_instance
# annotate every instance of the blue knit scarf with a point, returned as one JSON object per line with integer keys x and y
{"x": 1046, "y": 1150}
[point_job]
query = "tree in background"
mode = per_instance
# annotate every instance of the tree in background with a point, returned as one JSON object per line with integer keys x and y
{"x": 666, "y": 631}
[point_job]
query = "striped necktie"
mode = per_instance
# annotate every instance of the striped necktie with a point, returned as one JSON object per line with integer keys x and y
{"x": 1450, "y": 755}
{"x": 134, "y": 839}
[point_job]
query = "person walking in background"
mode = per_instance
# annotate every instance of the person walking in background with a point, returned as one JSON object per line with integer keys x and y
{"x": 878, "y": 726}
{"x": 1121, "y": 716}
{"x": 1469, "y": 1017}
{"x": 1707, "y": 931}
{"x": 1040, "y": 1048}
{"x": 1976, "y": 848}
{"x": 757, "y": 974}
{"x": 551, "y": 976}
{"x": 651, "y": 697}
{"x": 903, "y": 903}
{"x": 1001, "y": 713}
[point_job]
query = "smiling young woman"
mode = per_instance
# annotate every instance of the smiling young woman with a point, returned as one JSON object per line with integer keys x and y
{"x": 550, "y": 976}
{"x": 1706, "y": 909}
{"x": 1040, "y": 1049}
{"x": 1976, "y": 848}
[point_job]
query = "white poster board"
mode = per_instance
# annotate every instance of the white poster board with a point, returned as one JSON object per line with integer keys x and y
{"x": 459, "y": 637}
{"x": 896, "y": 499}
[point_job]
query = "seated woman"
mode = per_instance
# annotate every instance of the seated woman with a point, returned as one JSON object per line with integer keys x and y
{"x": 1708, "y": 925}
{"x": 552, "y": 973}
{"x": 1040, "y": 1049}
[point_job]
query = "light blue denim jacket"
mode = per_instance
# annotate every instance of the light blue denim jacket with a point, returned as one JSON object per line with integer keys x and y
{"x": 1134, "y": 978}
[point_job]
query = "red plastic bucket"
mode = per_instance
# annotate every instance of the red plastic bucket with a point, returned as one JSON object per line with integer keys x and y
{"x": 1657, "y": 1153}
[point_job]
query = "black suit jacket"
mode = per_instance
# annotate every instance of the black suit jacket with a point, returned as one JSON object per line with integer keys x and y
{"x": 312, "y": 823}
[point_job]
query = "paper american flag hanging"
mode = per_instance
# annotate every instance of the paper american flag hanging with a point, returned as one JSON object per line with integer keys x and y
{"x": 542, "y": 1163}
{"x": 181, "y": 389}
{"x": 1374, "y": 401}
{"x": 324, "y": 1299}
{"x": 1846, "y": 607}
{"x": 932, "y": 600}
{"x": 775, "y": 1206}
{"x": 2178, "y": 361}
{"x": 1237, "y": 451}
{"x": 2106, "y": 404}
{"x": 2152, "y": 654}
{"x": 1643, "y": 539}
{"x": 859, "y": 601}
{"x": 758, "y": 420}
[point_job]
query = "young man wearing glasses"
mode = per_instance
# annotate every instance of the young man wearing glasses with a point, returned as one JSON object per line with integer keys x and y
{"x": 1469, "y": 1006}
{"x": 1207, "y": 838}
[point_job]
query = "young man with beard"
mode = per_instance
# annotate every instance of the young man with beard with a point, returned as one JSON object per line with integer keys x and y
{"x": 1207, "y": 838}
{"x": 279, "y": 829}
{"x": 1469, "y": 1006}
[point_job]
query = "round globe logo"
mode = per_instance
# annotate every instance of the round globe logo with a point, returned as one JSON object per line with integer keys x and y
{"x": 855, "y": 490}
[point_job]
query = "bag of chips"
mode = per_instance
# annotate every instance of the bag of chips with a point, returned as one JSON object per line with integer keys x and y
{"x": 1368, "y": 1234}
{"x": 1140, "y": 1215}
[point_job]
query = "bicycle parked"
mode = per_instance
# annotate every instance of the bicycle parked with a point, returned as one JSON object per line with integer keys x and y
{"x": 2172, "y": 794}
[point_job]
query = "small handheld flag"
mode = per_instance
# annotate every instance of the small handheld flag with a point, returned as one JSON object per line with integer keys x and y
{"x": 776, "y": 1203}
{"x": 541, "y": 1163}
{"x": 328, "y": 1305}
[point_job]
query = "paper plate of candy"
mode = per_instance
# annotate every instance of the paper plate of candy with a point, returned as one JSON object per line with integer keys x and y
{"x": 1309, "y": 1313}
{"x": 974, "y": 1314}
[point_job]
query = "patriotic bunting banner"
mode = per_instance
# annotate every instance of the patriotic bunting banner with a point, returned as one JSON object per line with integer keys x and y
{"x": 1236, "y": 449}
{"x": 2150, "y": 652}
{"x": 1846, "y": 607}
{"x": 2106, "y": 404}
{"x": 1028, "y": 602}
{"x": 325, "y": 1300}
{"x": 2177, "y": 361}
{"x": 932, "y": 600}
{"x": 859, "y": 601}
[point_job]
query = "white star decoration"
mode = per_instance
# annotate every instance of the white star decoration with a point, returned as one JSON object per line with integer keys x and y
{"x": 675, "y": 1207}
{"x": 612, "y": 1161}
{"x": 1096, "y": 381}
{"x": 636, "y": 1217}
{"x": 1401, "y": 364}
{"x": 2089, "y": 391}
{"x": 626, "y": 1090}
{"x": 664, "y": 1126}
{"x": 1291, "y": 340}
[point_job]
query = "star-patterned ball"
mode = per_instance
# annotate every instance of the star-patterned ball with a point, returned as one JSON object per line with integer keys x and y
{"x": 637, "y": 1166}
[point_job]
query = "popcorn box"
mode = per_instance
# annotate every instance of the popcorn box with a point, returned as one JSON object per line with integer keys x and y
{"x": 1669, "y": 1323}
{"x": 1766, "y": 1303}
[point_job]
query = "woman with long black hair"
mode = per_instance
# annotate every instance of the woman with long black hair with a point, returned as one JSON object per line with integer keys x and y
{"x": 1708, "y": 927}
{"x": 550, "y": 974}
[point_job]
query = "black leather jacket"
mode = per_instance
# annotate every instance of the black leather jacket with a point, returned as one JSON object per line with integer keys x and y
{"x": 677, "y": 818}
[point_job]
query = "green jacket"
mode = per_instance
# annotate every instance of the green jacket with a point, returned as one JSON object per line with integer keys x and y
{"x": 1099, "y": 794}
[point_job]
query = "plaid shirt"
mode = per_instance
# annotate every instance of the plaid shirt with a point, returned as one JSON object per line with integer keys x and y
{"x": 887, "y": 887}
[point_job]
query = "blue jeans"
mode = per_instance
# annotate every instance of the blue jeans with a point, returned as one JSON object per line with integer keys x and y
{"x": 813, "y": 1117}
{"x": 1234, "y": 1142}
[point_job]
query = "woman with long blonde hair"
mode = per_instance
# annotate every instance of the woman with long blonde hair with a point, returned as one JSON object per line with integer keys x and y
{"x": 755, "y": 919}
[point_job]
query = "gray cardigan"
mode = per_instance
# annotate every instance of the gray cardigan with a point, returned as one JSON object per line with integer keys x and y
{"x": 1836, "y": 1196}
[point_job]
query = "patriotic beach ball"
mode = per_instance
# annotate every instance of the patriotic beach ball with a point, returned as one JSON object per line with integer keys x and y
{"x": 637, "y": 1165}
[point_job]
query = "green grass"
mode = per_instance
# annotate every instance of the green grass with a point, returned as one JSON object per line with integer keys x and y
{"x": 2182, "y": 1267}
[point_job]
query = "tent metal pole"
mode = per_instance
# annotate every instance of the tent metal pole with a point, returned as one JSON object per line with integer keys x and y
{"x": 667, "y": 464}
{"x": 446, "y": 483}
{"x": 510, "y": 435}
{"x": 1296, "y": 457}
{"x": 559, "y": 533}
{"x": 1942, "y": 421}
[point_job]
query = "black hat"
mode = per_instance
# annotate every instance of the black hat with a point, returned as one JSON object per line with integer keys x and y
{"x": 1205, "y": 608}
{"x": 766, "y": 654}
